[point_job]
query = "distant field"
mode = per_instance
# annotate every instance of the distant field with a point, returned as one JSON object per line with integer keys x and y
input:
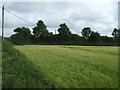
{"x": 75, "y": 66}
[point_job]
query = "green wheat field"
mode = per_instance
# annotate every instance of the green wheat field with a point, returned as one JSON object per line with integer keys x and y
{"x": 74, "y": 66}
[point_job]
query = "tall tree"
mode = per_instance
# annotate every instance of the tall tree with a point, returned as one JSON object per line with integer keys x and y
{"x": 86, "y": 32}
{"x": 106, "y": 40}
{"x": 116, "y": 35}
{"x": 40, "y": 31}
{"x": 64, "y": 32}
{"x": 22, "y": 36}
{"x": 94, "y": 37}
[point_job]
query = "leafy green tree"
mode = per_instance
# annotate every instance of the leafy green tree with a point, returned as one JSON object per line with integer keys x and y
{"x": 94, "y": 37}
{"x": 64, "y": 32}
{"x": 40, "y": 31}
{"x": 86, "y": 32}
{"x": 116, "y": 35}
{"x": 22, "y": 36}
{"x": 75, "y": 37}
{"x": 105, "y": 40}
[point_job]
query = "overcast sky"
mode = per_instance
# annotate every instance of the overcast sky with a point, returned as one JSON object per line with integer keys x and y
{"x": 100, "y": 16}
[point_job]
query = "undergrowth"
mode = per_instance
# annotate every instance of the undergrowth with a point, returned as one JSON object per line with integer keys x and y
{"x": 18, "y": 72}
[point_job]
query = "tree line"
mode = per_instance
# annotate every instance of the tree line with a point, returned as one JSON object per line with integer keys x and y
{"x": 41, "y": 35}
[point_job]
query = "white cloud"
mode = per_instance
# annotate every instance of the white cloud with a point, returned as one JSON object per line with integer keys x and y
{"x": 100, "y": 16}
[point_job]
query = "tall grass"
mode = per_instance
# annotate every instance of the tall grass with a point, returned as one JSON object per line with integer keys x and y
{"x": 75, "y": 67}
{"x": 18, "y": 72}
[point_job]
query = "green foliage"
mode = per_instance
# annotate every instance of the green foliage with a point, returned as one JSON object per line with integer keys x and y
{"x": 116, "y": 35}
{"x": 22, "y": 36}
{"x": 40, "y": 31}
{"x": 64, "y": 37}
{"x": 86, "y": 32}
{"x": 64, "y": 32}
{"x": 94, "y": 37}
{"x": 18, "y": 71}
{"x": 105, "y": 40}
{"x": 76, "y": 66}
{"x": 75, "y": 37}
{"x": 115, "y": 32}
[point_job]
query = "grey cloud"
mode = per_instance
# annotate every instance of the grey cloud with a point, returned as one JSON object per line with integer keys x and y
{"x": 101, "y": 17}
